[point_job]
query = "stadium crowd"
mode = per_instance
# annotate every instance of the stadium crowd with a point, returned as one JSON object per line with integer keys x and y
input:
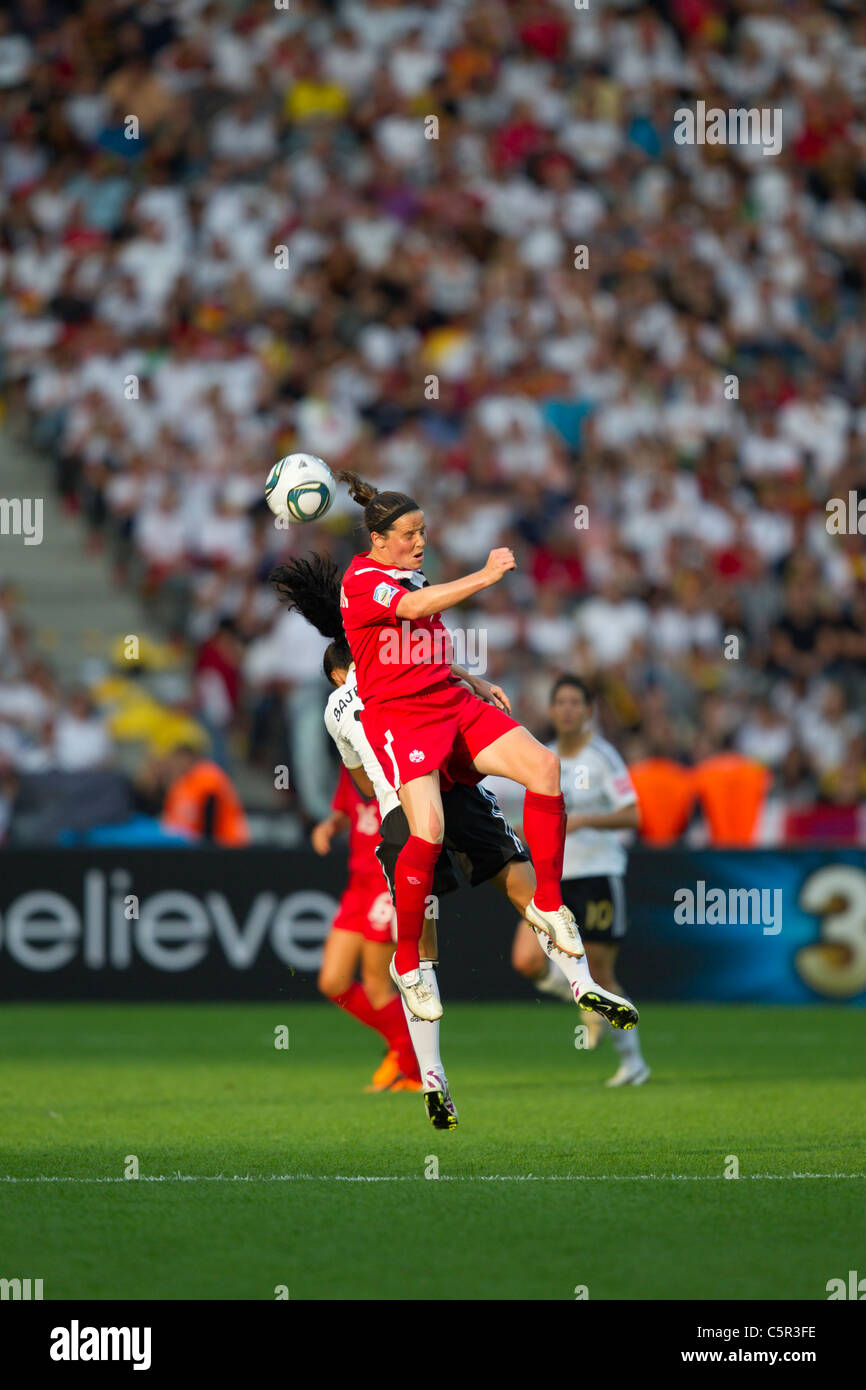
{"x": 233, "y": 231}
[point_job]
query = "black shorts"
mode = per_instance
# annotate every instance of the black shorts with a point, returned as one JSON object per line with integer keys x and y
{"x": 599, "y": 906}
{"x": 478, "y": 839}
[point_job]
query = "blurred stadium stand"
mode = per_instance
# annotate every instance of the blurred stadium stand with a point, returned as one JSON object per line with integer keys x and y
{"x": 154, "y": 257}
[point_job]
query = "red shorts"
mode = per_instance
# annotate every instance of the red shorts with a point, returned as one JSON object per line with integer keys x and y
{"x": 366, "y": 907}
{"x": 443, "y": 728}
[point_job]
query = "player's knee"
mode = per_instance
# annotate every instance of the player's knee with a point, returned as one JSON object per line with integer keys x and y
{"x": 330, "y": 984}
{"x": 430, "y": 829}
{"x": 546, "y": 771}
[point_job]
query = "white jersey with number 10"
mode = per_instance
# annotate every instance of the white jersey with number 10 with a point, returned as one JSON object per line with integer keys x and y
{"x": 594, "y": 783}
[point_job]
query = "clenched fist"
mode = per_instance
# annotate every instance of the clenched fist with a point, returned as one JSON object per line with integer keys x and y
{"x": 499, "y": 562}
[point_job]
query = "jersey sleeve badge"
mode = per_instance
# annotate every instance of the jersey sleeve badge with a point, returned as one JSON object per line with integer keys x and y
{"x": 383, "y": 593}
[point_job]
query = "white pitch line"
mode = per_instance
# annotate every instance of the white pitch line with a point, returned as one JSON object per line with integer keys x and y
{"x": 449, "y": 1177}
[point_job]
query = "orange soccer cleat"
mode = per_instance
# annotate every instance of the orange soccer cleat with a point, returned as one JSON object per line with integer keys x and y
{"x": 386, "y": 1073}
{"x": 404, "y": 1083}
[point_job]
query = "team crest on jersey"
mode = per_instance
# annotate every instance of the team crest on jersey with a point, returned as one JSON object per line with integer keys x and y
{"x": 383, "y": 593}
{"x": 416, "y": 756}
{"x": 344, "y": 602}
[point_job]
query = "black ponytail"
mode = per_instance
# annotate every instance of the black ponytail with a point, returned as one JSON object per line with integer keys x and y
{"x": 312, "y": 587}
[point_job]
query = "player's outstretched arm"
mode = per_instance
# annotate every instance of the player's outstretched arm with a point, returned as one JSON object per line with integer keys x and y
{"x": 421, "y": 603}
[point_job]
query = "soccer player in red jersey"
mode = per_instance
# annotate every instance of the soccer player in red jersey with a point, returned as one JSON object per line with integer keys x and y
{"x": 427, "y": 729}
{"x": 361, "y": 935}
{"x": 475, "y": 831}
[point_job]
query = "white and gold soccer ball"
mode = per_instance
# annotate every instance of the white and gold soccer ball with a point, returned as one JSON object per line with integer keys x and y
{"x": 300, "y": 487}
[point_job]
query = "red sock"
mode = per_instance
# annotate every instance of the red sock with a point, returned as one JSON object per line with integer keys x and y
{"x": 544, "y": 829}
{"x": 389, "y": 1022}
{"x": 413, "y": 879}
{"x": 356, "y": 1003}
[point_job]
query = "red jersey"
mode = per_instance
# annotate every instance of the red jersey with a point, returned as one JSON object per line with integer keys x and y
{"x": 363, "y": 828}
{"x": 394, "y": 657}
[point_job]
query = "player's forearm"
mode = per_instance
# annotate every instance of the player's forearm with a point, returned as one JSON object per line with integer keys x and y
{"x": 437, "y": 597}
{"x": 362, "y": 781}
{"x": 459, "y": 674}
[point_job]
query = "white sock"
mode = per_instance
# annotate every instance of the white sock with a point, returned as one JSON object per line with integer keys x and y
{"x": 554, "y": 982}
{"x": 627, "y": 1043}
{"x": 575, "y": 971}
{"x": 424, "y": 1033}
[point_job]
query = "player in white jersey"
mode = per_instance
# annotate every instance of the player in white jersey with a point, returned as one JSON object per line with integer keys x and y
{"x": 601, "y": 807}
{"x": 477, "y": 834}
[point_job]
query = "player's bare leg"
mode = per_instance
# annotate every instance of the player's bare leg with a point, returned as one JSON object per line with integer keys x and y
{"x": 632, "y": 1070}
{"x": 375, "y": 959}
{"x": 522, "y": 758}
{"x": 340, "y": 957}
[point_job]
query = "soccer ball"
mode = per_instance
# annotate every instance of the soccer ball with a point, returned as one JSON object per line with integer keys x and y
{"x": 300, "y": 487}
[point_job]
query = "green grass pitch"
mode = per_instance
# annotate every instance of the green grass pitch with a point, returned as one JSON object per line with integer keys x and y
{"x": 201, "y": 1090}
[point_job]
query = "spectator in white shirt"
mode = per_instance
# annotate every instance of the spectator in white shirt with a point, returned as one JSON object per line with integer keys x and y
{"x": 81, "y": 739}
{"x": 160, "y": 535}
{"x": 764, "y": 452}
{"x": 611, "y": 624}
{"x": 817, "y": 424}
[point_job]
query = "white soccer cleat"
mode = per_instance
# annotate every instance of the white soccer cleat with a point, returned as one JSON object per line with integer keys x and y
{"x": 441, "y": 1109}
{"x": 560, "y": 925}
{"x": 420, "y": 1000}
{"x": 630, "y": 1074}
